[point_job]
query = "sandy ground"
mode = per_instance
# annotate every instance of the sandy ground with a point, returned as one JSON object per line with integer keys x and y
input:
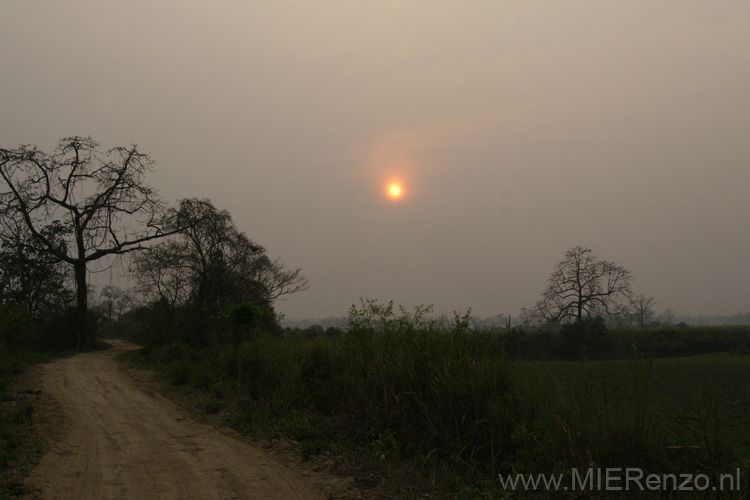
{"x": 112, "y": 440}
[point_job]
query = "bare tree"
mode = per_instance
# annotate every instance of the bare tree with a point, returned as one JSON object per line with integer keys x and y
{"x": 667, "y": 317}
{"x": 99, "y": 198}
{"x": 642, "y": 309}
{"x": 114, "y": 302}
{"x": 582, "y": 286}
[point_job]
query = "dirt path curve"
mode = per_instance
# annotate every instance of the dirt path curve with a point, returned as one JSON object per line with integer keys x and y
{"x": 118, "y": 442}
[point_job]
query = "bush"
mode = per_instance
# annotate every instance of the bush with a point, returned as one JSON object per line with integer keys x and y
{"x": 178, "y": 371}
{"x": 17, "y": 328}
{"x": 588, "y": 337}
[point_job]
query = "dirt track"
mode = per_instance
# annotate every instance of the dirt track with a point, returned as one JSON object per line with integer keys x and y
{"x": 117, "y": 442}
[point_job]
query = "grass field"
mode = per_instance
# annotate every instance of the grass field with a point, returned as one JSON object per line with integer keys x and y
{"x": 677, "y": 387}
{"x": 461, "y": 411}
{"x": 462, "y": 406}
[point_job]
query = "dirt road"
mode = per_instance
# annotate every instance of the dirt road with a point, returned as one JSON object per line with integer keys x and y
{"x": 118, "y": 442}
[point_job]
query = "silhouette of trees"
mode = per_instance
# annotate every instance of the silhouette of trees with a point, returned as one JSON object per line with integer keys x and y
{"x": 582, "y": 287}
{"x": 30, "y": 278}
{"x": 97, "y": 201}
{"x": 209, "y": 265}
{"x": 114, "y": 302}
{"x": 642, "y": 310}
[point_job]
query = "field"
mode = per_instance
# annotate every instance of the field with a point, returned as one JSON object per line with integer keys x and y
{"x": 453, "y": 407}
{"x": 678, "y": 386}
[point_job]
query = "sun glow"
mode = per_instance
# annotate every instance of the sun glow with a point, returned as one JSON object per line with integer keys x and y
{"x": 394, "y": 190}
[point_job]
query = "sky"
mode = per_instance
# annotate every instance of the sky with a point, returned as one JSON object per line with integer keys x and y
{"x": 516, "y": 129}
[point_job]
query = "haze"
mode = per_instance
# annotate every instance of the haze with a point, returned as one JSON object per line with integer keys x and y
{"x": 515, "y": 129}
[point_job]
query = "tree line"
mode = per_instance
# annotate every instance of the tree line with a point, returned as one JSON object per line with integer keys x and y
{"x": 63, "y": 211}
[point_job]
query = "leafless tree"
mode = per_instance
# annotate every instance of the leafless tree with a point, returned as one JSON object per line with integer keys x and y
{"x": 582, "y": 286}
{"x": 642, "y": 309}
{"x": 114, "y": 301}
{"x": 99, "y": 198}
{"x": 667, "y": 317}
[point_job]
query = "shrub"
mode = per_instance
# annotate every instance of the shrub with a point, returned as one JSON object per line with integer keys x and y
{"x": 178, "y": 371}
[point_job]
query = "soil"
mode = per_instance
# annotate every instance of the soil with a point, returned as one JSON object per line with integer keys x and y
{"x": 108, "y": 435}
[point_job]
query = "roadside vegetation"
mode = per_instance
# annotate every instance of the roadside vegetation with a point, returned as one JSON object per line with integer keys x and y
{"x": 14, "y": 416}
{"x": 36, "y": 323}
{"x": 24, "y": 340}
{"x": 401, "y": 392}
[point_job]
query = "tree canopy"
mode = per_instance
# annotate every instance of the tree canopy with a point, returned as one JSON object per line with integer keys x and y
{"x": 583, "y": 286}
{"x": 30, "y": 278}
{"x": 209, "y": 265}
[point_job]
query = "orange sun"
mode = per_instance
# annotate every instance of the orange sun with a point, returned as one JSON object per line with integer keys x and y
{"x": 394, "y": 191}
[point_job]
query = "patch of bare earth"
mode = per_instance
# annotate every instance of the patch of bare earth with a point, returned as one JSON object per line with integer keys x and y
{"x": 109, "y": 433}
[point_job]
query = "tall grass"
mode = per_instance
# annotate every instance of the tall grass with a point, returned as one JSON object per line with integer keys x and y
{"x": 425, "y": 391}
{"x": 447, "y": 399}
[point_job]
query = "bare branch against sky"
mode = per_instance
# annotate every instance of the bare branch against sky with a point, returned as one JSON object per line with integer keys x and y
{"x": 515, "y": 130}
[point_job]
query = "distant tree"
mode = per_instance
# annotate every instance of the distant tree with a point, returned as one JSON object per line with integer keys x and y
{"x": 210, "y": 265}
{"x": 582, "y": 286}
{"x": 99, "y": 198}
{"x": 114, "y": 302}
{"x": 667, "y": 317}
{"x": 528, "y": 317}
{"x": 642, "y": 310}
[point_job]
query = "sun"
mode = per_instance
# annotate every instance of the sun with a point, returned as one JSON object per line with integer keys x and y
{"x": 394, "y": 190}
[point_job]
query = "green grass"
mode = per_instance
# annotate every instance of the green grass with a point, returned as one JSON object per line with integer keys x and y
{"x": 678, "y": 387}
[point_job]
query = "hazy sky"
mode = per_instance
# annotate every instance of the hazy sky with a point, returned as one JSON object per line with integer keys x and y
{"x": 517, "y": 129}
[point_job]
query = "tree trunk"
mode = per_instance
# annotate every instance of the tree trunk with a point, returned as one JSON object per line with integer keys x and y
{"x": 83, "y": 340}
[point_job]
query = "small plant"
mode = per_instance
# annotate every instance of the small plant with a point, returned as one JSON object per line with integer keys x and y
{"x": 213, "y": 406}
{"x": 373, "y": 317}
{"x": 178, "y": 371}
